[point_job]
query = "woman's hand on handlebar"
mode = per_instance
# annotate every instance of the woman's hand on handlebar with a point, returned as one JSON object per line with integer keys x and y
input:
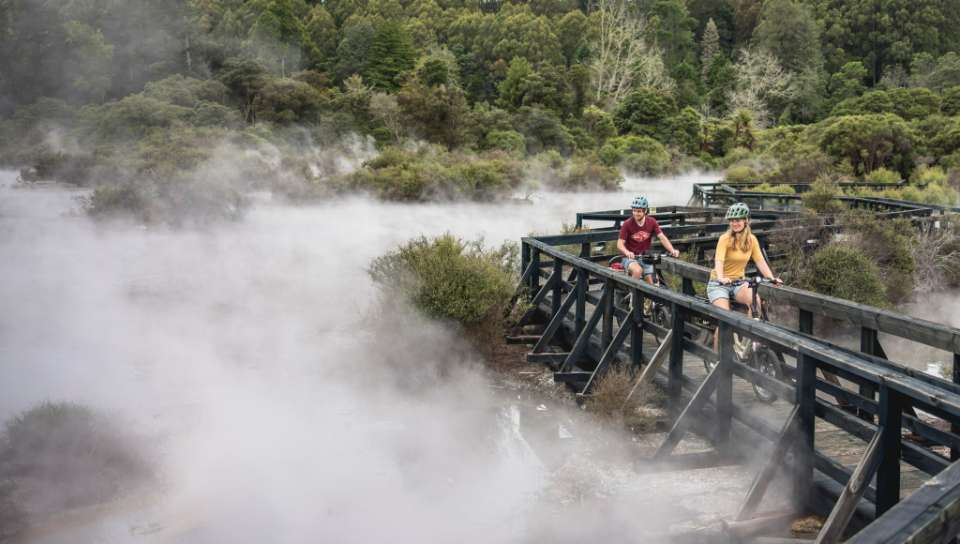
{"x": 725, "y": 280}
{"x": 776, "y": 281}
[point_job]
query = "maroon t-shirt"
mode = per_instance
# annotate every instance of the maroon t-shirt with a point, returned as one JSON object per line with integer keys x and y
{"x": 638, "y": 238}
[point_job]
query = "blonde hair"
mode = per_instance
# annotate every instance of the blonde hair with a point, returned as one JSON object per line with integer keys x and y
{"x": 742, "y": 240}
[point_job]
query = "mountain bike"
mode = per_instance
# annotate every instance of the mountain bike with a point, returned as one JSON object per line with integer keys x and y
{"x": 751, "y": 352}
{"x": 654, "y": 310}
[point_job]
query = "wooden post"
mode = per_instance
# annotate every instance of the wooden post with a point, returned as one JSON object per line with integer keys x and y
{"x": 725, "y": 388}
{"x": 636, "y": 337}
{"x": 674, "y": 382}
{"x": 557, "y": 286}
{"x": 868, "y": 341}
{"x": 888, "y": 475}
{"x": 606, "y": 333}
{"x": 524, "y": 256}
{"x": 580, "y": 319}
{"x": 805, "y": 321}
{"x": 806, "y": 424}
{"x": 535, "y": 277}
{"x": 954, "y": 428}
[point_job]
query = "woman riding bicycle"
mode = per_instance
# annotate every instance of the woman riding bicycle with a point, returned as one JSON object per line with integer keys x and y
{"x": 734, "y": 250}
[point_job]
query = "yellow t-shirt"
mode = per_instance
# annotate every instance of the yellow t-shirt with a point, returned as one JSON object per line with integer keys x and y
{"x": 734, "y": 260}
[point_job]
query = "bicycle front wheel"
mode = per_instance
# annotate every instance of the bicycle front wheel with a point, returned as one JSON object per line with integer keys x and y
{"x": 766, "y": 362}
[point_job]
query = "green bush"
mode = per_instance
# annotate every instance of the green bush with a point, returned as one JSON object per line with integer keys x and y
{"x": 844, "y": 272}
{"x": 888, "y": 244}
{"x": 768, "y": 188}
{"x": 450, "y": 279}
{"x": 71, "y": 456}
{"x": 741, "y": 174}
{"x": 585, "y": 173}
{"x": 638, "y": 154}
{"x": 822, "y": 197}
{"x": 926, "y": 175}
{"x": 509, "y": 141}
{"x": 882, "y": 175}
{"x": 431, "y": 174}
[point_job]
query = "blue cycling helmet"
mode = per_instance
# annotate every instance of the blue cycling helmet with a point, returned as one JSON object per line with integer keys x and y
{"x": 640, "y": 202}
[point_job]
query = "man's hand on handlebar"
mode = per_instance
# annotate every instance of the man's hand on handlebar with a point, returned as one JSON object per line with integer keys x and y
{"x": 629, "y": 254}
{"x": 674, "y": 253}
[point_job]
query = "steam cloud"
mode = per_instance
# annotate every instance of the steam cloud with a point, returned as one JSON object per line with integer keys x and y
{"x": 284, "y": 403}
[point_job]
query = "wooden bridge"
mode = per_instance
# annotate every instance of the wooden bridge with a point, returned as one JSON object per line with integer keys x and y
{"x": 875, "y": 451}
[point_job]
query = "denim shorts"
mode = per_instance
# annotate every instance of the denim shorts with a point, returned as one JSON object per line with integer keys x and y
{"x": 717, "y": 290}
{"x": 647, "y": 268}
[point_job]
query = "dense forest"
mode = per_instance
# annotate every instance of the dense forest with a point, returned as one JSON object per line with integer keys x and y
{"x": 163, "y": 103}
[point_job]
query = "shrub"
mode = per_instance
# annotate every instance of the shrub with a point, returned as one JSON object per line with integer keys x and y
{"x": 450, "y": 279}
{"x": 822, "y": 197}
{"x": 638, "y": 154}
{"x": 882, "y": 175}
{"x": 13, "y": 519}
{"x": 71, "y": 457}
{"x": 432, "y": 173}
{"x": 585, "y": 173}
{"x": 777, "y": 189}
{"x": 888, "y": 244}
{"x": 926, "y": 175}
{"x": 509, "y": 141}
{"x": 741, "y": 174}
{"x": 842, "y": 271}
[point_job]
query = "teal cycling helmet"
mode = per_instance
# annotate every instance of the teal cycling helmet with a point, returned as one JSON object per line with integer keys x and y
{"x": 738, "y": 211}
{"x": 640, "y": 202}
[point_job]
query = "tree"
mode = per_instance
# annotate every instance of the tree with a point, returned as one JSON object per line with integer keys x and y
{"x": 869, "y": 142}
{"x": 885, "y": 34}
{"x": 709, "y": 47}
{"x": 787, "y": 29}
{"x": 645, "y": 112}
{"x": 848, "y": 82}
{"x": 437, "y": 113}
{"x": 90, "y": 64}
{"x": 936, "y": 75}
{"x": 321, "y": 34}
{"x": 672, "y": 28}
{"x": 572, "y": 31}
{"x": 762, "y": 86}
{"x": 278, "y": 35}
{"x": 353, "y": 52}
{"x": 245, "y": 79}
{"x": 391, "y": 54}
{"x": 623, "y": 58}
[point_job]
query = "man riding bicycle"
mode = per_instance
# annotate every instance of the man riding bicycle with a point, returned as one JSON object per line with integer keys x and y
{"x": 636, "y": 236}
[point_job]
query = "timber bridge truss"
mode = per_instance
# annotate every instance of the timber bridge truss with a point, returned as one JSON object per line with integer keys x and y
{"x": 901, "y": 483}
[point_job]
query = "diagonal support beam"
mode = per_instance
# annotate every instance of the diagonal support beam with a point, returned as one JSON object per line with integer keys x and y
{"x": 652, "y": 367}
{"x": 555, "y": 322}
{"x": 538, "y": 299}
{"x": 609, "y": 353}
{"x": 692, "y": 409}
{"x": 581, "y": 343}
{"x": 760, "y": 483}
{"x": 832, "y": 530}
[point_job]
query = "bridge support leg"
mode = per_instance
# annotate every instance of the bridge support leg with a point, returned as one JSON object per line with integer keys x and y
{"x": 954, "y": 428}
{"x": 636, "y": 336}
{"x": 674, "y": 383}
{"x": 725, "y": 389}
{"x": 888, "y": 477}
{"x": 806, "y": 425}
